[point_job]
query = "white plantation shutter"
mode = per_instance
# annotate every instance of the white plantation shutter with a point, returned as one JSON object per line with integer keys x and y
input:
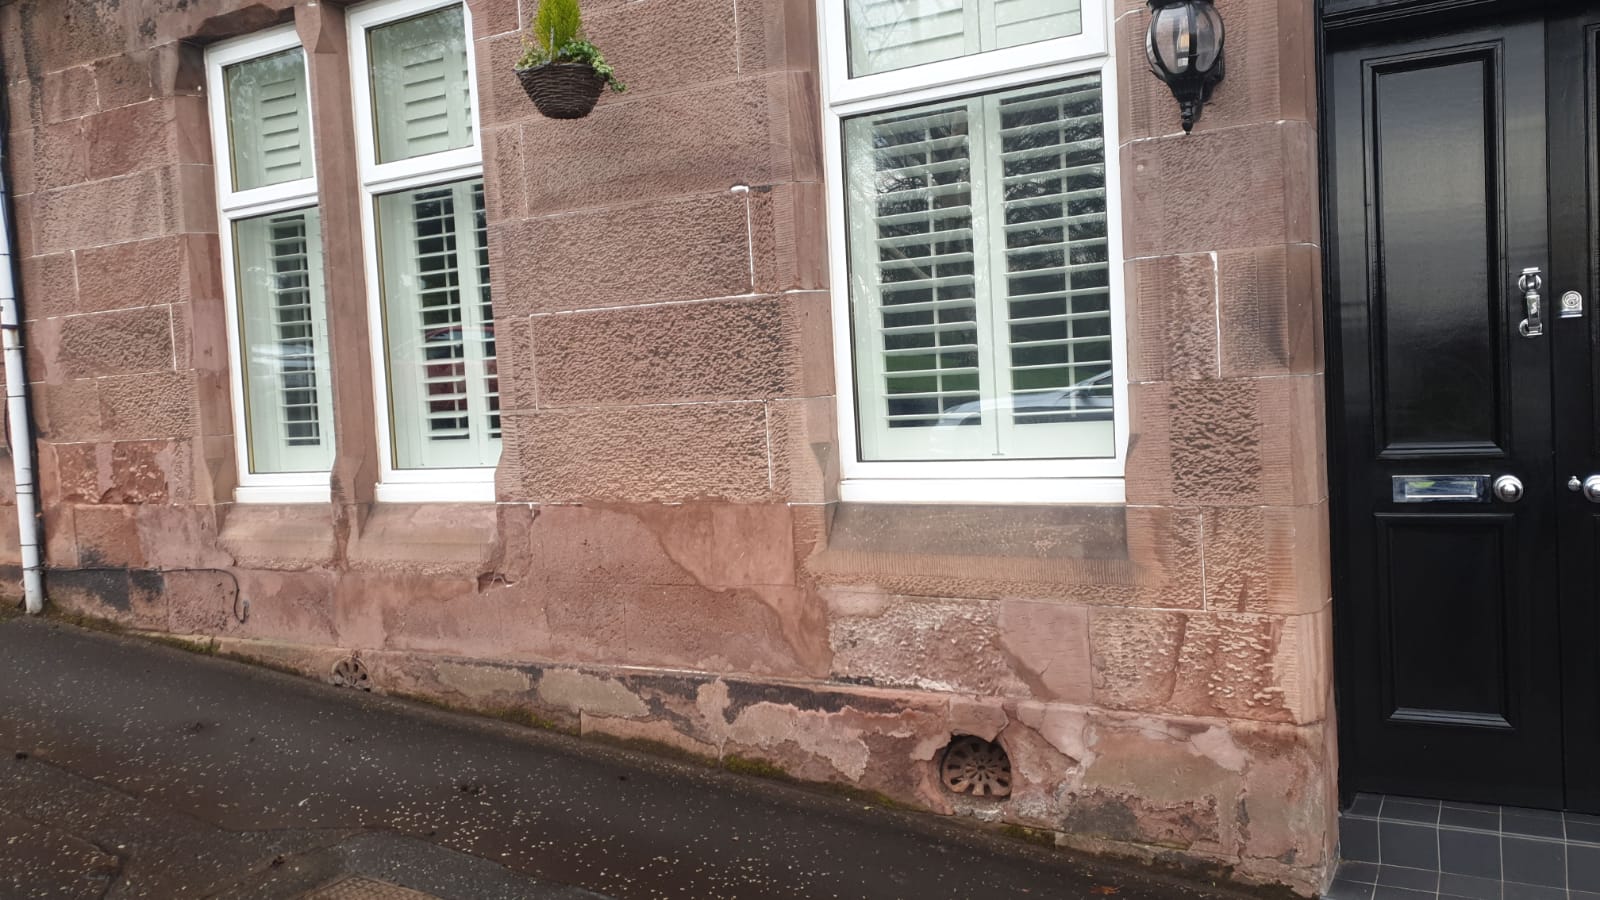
{"x": 979, "y": 276}
{"x": 421, "y": 85}
{"x": 284, "y": 347}
{"x": 444, "y": 392}
{"x": 269, "y": 120}
{"x": 894, "y": 34}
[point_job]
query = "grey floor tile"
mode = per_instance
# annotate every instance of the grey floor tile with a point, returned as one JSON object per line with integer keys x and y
{"x": 1347, "y": 890}
{"x": 1583, "y": 831}
{"x": 1416, "y": 879}
{"x": 1365, "y": 805}
{"x": 1410, "y": 810}
{"x": 1467, "y": 887}
{"x": 1533, "y": 892}
{"x": 1358, "y": 839}
{"x": 1384, "y": 892}
{"x": 1475, "y": 853}
{"x": 1534, "y": 861}
{"x": 1366, "y": 873}
{"x": 1583, "y": 868}
{"x": 1409, "y": 845}
{"x": 1525, "y": 823}
{"x": 1479, "y": 819}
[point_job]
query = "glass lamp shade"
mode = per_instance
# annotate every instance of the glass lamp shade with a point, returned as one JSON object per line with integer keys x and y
{"x": 1184, "y": 48}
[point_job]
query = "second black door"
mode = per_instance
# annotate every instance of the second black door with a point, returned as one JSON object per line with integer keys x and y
{"x": 1461, "y": 194}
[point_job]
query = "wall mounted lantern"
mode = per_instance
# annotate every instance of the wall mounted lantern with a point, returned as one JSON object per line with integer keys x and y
{"x": 1184, "y": 47}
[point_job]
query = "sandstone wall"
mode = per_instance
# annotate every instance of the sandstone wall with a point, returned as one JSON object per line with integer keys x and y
{"x": 668, "y": 559}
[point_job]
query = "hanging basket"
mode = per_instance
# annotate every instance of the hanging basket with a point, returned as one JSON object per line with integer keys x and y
{"x": 562, "y": 90}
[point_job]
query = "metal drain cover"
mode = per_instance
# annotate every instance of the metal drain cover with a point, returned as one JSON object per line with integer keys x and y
{"x": 975, "y": 766}
{"x": 351, "y": 672}
{"x": 366, "y": 889}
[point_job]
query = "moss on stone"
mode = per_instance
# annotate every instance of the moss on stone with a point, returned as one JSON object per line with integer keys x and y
{"x": 758, "y": 768}
{"x": 1038, "y": 836}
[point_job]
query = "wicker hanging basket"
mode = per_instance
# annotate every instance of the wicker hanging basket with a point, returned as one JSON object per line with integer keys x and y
{"x": 562, "y": 90}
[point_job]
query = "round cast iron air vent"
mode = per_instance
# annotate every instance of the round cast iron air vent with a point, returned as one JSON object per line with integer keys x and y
{"x": 975, "y": 766}
{"x": 351, "y": 672}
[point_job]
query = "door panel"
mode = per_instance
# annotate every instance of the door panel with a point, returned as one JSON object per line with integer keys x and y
{"x": 1449, "y": 684}
{"x": 1445, "y": 586}
{"x": 1573, "y": 42}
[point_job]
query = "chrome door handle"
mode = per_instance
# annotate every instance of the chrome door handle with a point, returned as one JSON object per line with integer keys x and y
{"x": 1508, "y": 488}
{"x": 1589, "y": 486}
{"x": 1530, "y": 284}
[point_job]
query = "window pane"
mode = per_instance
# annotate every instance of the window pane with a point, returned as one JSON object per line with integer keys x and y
{"x": 421, "y": 85}
{"x": 980, "y": 276}
{"x": 284, "y": 348}
{"x": 443, "y": 390}
{"x": 893, "y": 34}
{"x": 269, "y": 124}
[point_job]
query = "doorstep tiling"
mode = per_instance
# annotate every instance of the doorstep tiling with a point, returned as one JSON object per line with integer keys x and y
{"x": 1396, "y": 848}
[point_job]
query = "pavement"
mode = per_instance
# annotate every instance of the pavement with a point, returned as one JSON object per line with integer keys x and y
{"x": 132, "y": 769}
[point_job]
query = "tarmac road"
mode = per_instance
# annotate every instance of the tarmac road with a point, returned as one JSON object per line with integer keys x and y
{"x": 131, "y": 769}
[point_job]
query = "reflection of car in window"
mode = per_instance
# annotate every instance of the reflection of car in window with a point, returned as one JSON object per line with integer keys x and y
{"x": 1089, "y": 400}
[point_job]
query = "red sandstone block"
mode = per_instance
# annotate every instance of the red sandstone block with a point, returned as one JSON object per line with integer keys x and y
{"x": 68, "y": 94}
{"x": 128, "y": 208}
{"x": 737, "y": 349}
{"x": 691, "y": 141}
{"x": 702, "y": 451}
{"x": 505, "y": 188}
{"x": 1270, "y": 668}
{"x": 67, "y": 33}
{"x": 775, "y": 35}
{"x": 805, "y": 453}
{"x": 491, "y": 17}
{"x": 1249, "y": 186}
{"x": 161, "y": 270}
{"x": 789, "y": 237}
{"x": 113, "y": 343}
{"x": 675, "y": 250}
{"x": 107, "y": 536}
{"x": 123, "y": 79}
{"x": 49, "y": 286}
{"x": 149, "y": 406}
{"x": 67, "y": 412}
{"x": 1267, "y": 559}
{"x": 715, "y": 545}
{"x": 1228, "y": 443}
{"x": 1172, "y": 318}
{"x": 760, "y": 630}
{"x": 1271, "y": 311}
{"x": 667, "y": 45}
{"x": 297, "y": 607}
{"x": 50, "y": 156}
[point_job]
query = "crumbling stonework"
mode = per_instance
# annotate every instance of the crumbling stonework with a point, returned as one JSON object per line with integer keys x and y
{"x": 668, "y": 560}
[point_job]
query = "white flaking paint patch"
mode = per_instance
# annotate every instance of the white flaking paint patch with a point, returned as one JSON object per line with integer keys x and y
{"x": 1216, "y": 744}
{"x": 582, "y": 692}
{"x": 817, "y": 733}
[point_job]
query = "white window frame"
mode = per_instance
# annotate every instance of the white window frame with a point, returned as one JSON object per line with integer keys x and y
{"x": 1089, "y": 480}
{"x": 440, "y": 485}
{"x": 232, "y": 205}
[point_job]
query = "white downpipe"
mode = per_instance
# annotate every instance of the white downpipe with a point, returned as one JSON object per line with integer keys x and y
{"x": 17, "y": 413}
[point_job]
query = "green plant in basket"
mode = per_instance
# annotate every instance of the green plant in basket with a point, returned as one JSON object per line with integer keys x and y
{"x": 556, "y": 37}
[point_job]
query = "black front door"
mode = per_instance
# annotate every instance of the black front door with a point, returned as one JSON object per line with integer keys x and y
{"x": 1462, "y": 259}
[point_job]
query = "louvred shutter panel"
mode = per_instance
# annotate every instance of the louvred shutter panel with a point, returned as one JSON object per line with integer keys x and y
{"x": 422, "y": 86}
{"x": 269, "y": 120}
{"x": 440, "y": 327}
{"x": 285, "y": 350}
{"x": 894, "y": 34}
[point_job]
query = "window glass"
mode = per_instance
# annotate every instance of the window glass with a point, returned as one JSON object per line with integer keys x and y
{"x": 284, "y": 346}
{"x": 894, "y": 34}
{"x": 979, "y": 276}
{"x": 269, "y": 120}
{"x": 421, "y": 85}
{"x": 439, "y": 327}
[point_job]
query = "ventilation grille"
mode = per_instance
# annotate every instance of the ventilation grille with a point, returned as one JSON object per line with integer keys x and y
{"x": 975, "y": 766}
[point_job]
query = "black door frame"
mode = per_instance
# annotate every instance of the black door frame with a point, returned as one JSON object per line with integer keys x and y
{"x": 1352, "y": 20}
